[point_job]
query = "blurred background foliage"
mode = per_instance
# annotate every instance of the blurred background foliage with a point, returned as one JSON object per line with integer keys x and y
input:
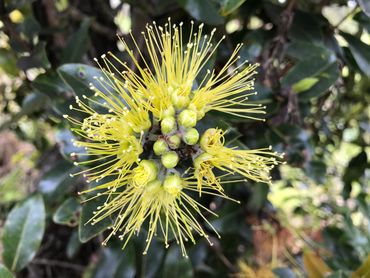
{"x": 314, "y": 77}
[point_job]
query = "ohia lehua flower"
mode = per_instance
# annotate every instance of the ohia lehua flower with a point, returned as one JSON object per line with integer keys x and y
{"x": 145, "y": 149}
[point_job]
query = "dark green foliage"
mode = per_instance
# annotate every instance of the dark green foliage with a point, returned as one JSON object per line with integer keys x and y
{"x": 313, "y": 77}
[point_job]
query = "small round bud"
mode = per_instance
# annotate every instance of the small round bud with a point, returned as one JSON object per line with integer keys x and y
{"x": 160, "y": 147}
{"x": 173, "y": 184}
{"x": 153, "y": 186}
{"x": 200, "y": 112}
{"x": 180, "y": 102}
{"x": 144, "y": 173}
{"x": 174, "y": 141}
{"x": 191, "y": 136}
{"x": 170, "y": 159}
{"x": 188, "y": 118}
{"x": 170, "y": 111}
{"x": 168, "y": 124}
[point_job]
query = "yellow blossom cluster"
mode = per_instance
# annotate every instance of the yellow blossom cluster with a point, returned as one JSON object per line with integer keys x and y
{"x": 145, "y": 149}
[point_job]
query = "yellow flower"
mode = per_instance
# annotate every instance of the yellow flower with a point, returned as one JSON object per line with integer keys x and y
{"x": 251, "y": 164}
{"x": 147, "y": 135}
{"x": 167, "y": 206}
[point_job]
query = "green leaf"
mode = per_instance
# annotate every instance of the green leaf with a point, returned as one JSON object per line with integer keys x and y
{"x": 304, "y": 84}
{"x": 175, "y": 265}
{"x": 68, "y": 212}
{"x": 23, "y": 232}
{"x": 230, "y": 6}
{"x": 34, "y": 102}
{"x": 5, "y": 273}
{"x": 86, "y": 230}
{"x": 73, "y": 245}
{"x": 66, "y": 147}
{"x": 312, "y": 66}
{"x": 57, "y": 181}
{"x": 327, "y": 77}
{"x": 115, "y": 263}
{"x": 77, "y": 44}
{"x": 319, "y": 70}
{"x": 79, "y": 76}
{"x": 60, "y": 94}
{"x": 30, "y": 27}
{"x": 202, "y": 10}
{"x": 354, "y": 171}
{"x": 360, "y": 52}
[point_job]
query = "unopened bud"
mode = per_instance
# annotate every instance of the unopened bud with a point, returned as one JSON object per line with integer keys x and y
{"x": 191, "y": 136}
{"x": 170, "y": 111}
{"x": 170, "y": 159}
{"x": 160, "y": 147}
{"x": 168, "y": 124}
{"x": 153, "y": 186}
{"x": 188, "y": 118}
{"x": 180, "y": 102}
{"x": 173, "y": 184}
{"x": 174, "y": 141}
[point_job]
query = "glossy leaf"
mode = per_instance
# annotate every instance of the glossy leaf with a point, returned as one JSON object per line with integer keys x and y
{"x": 23, "y": 231}
{"x": 73, "y": 245}
{"x": 68, "y": 212}
{"x": 86, "y": 230}
{"x": 78, "y": 44}
{"x": 202, "y": 10}
{"x": 57, "y": 181}
{"x": 355, "y": 169}
{"x": 360, "y": 52}
{"x": 176, "y": 265}
{"x": 79, "y": 77}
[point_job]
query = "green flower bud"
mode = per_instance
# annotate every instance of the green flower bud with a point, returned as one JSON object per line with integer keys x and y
{"x": 168, "y": 124}
{"x": 200, "y": 113}
{"x": 191, "y": 136}
{"x": 179, "y": 101}
{"x": 170, "y": 111}
{"x": 188, "y": 118}
{"x": 144, "y": 173}
{"x": 173, "y": 184}
{"x": 153, "y": 186}
{"x": 174, "y": 141}
{"x": 170, "y": 159}
{"x": 160, "y": 147}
